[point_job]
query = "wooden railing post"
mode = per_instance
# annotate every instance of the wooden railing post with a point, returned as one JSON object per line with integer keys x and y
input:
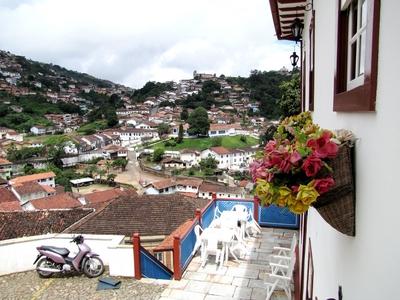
{"x": 197, "y": 215}
{"x": 214, "y": 196}
{"x": 255, "y": 212}
{"x": 177, "y": 258}
{"x": 136, "y": 256}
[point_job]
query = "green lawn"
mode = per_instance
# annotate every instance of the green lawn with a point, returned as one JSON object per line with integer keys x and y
{"x": 205, "y": 143}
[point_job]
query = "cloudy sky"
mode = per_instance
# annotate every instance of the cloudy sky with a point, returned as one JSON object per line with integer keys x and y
{"x": 134, "y": 41}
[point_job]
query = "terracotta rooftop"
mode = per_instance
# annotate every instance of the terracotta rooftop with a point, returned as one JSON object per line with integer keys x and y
{"x": 224, "y": 126}
{"x": 103, "y": 196}
{"x": 190, "y": 182}
{"x": 48, "y": 189}
{"x": 33, "y": 177}
{"x": 168, "y": 242}
{"x": 216, "y": 188}
{"x": 146, "y": 214}
{"x": 4, "y": 161}
{"x": 220, "y": 150}
{"x": 29, "y": 187}
{"x": 162, "y": 184}
{"x": 10, "y": 206}
{"x": 28, "y": 223}
{"x": 64, "y": 200}
{"x": 6, "y": 195}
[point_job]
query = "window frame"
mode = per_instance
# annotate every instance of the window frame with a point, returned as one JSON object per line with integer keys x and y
{"x": 312, "y": 63}
{"x": 362, "y": 97}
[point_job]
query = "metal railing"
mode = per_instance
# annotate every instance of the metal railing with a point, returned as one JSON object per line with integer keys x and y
{"x": 148, "y": 266}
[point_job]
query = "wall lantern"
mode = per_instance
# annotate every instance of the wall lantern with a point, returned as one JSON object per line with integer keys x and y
{"x": 297, "y": 29}
{"x": 294, "y": 58}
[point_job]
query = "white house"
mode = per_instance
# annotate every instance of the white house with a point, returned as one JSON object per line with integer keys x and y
{"x": 207, "y": 189}
{"x": 15, "y": 136}
{"x": 172, "y": 185}
{"x": 175, "y": 130}
{"x": 231, "y": 159}
{"x": 38, "y": 130}
{"x": 349, "y": 70}
{"x": 47, "y": 178}
{"x": 223, "y": 129}
{"x": 190, "y": 157}
{"x": 130, "y": 136}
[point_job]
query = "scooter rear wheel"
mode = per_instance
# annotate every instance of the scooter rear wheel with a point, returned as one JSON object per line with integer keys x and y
{"x": 93, "y": 267}
{"x": 44, "y": 263}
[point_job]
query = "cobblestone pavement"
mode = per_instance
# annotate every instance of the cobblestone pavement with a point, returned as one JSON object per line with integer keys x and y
{"x": 28, "y": 285}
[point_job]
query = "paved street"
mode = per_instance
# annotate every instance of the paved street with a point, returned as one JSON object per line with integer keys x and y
{"x": 28, "y": 285}
{"x": 134, "y": 174}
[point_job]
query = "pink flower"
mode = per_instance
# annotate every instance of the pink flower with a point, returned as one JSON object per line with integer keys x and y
{"x": 323, "y": 185}
{"x": 258, "y": 170}
{"x": 312, "y": 165}
{"x": 270, "y": 146}
{"x": 295, "y": 157}
{"x": 323, "y": 146}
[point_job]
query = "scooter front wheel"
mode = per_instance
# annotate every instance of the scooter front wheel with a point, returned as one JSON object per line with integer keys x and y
{"x": 44, "y": 263}
{"x": 93, "y": 267}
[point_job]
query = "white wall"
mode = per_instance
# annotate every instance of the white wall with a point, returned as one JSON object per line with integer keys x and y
{"x": 18, "y": 255}
{"x": 365, "y": 265}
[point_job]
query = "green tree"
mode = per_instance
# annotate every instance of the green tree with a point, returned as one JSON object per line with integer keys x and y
{"x": 198, "y": 122}
{"x": 208, "y": 165}
{"x": 268, "y": 135}
{"x": 91, "y": 170}
{"x": 180, "y": 134}
{"x": 111, "y": 117}
{"x": 158, "y": 154}
{"x": 210, "y": 86}
{"x": 120, "y": 163}
{"x": 111, "y": 178}
{"x": 290, "y": 103}
{"x": 216, "y": 141}
{"x": 184, "y": 114}
{"x": 163, "y": 128}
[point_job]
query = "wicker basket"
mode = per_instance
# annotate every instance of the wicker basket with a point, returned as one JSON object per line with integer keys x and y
{"x": 337, "y": 206}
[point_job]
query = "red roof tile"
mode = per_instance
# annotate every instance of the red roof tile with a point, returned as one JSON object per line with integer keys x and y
{"x": 6, "y": 195}
{"x": 32, "y": 177}
{"x": 59, "y": 201}
{"x": 4, "y": 161}
{"x": 29, "y": 187}
{"x": 10, "y": 206}
{"x": 147, "y": 214}
{"x": 19, "y": 224}
{"x": 220, "y": 150}
{"x": 103, "y": 196}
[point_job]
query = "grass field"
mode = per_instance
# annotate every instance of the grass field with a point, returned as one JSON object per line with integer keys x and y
{"x": 205, "y": 143}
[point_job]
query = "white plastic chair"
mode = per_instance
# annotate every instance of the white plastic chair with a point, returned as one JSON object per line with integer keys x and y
{"x": 282, "y": 277}
{"x": 285, "y": 255}
{"x": 252, "y": 227}
{"x": 197, "y": 232}
{"x": 210, "y": 247}
{"x": 240, "y": 208}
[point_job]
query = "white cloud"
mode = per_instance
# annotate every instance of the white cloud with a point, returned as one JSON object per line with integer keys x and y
{"x": 133, "y": 41}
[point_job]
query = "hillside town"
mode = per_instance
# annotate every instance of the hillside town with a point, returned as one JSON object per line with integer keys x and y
{"x": 122, "y": 158}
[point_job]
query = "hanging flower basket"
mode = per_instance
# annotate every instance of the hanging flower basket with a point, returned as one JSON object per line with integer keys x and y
{"x": 305, "y": 166}
{"x": 337, "y": 206}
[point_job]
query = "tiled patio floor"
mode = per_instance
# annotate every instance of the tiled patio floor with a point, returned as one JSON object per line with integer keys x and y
{"x": 236, "y": 280}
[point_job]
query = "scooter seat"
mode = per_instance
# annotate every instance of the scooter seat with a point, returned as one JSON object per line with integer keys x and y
{"x": 61, "y": 251}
